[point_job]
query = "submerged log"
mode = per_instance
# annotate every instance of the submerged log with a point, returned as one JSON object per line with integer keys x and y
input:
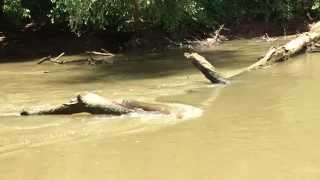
{"x": 95, "y": 104}
{"x": 206, "y": 68}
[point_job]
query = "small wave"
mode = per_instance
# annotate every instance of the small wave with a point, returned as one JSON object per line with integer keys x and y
{"x": 180, "y": 112}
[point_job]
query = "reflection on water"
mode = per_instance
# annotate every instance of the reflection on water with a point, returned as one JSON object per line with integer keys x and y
{"x": 262, "y": 126}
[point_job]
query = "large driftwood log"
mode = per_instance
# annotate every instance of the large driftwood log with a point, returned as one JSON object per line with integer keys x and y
{"x": 274, "y": 55}
{"x": 206, "y": 68}
{"x": 94, "y": 104}
{"x": 290, "y": 49}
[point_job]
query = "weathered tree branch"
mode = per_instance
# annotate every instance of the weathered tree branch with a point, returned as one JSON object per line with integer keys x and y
{"x": 206, "y": 68}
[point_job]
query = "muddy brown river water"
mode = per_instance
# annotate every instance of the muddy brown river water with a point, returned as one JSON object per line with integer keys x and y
{"x": 264, "y": 125}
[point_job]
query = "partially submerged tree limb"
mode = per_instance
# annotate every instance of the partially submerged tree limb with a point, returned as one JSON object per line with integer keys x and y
{"x": 206, "y": 68}
{"x": 94, "y": 104}
{"x": 274, "y": 55}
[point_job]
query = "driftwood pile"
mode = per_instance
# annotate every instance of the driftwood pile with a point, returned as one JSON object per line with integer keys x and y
{"x": 94, "y": 57}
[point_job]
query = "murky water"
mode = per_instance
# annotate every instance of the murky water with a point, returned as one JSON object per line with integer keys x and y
{"x": 264, "y": 125}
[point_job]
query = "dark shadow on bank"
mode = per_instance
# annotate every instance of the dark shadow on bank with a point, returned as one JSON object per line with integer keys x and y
{"x": 17, "y": 46}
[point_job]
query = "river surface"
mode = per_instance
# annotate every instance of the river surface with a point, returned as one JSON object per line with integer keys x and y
{"x": 263, "y": 125}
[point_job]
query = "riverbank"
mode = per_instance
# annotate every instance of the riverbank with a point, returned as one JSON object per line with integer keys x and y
{"x": 35, "y": 41}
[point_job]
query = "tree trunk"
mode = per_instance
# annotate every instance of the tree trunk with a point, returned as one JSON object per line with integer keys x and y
{"x": 94, "y": 104}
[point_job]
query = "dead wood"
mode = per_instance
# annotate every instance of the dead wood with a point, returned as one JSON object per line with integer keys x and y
{"x": 95, "y": 104}
{"x": 288, "y": 50}
{"x": 206, "y": 68}
{"x": 56, "y": 59}
{"x": 273, "y": 55}
{"x": 105, "y": 53}
{"x": 267, "y": 38}
{"x": 53, "y": 60}
{"x": 217, "y": 33}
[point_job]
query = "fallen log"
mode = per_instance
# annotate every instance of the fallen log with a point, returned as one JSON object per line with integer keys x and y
{"x": 95, "y": 104}
{"x": 273, "y": 55}
{"x": 290, "y": 49}
{"x": 206, "y": 68}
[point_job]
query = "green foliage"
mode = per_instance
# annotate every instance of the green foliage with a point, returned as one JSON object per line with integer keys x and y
{"x": 316, "y": 8}
{"x": 172, "y": 14}
{"x": 130, "y": 15}
{"x": 37, "y": 8}
{"x": 96, "y": 14}
{"x": 14, "y": 11}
